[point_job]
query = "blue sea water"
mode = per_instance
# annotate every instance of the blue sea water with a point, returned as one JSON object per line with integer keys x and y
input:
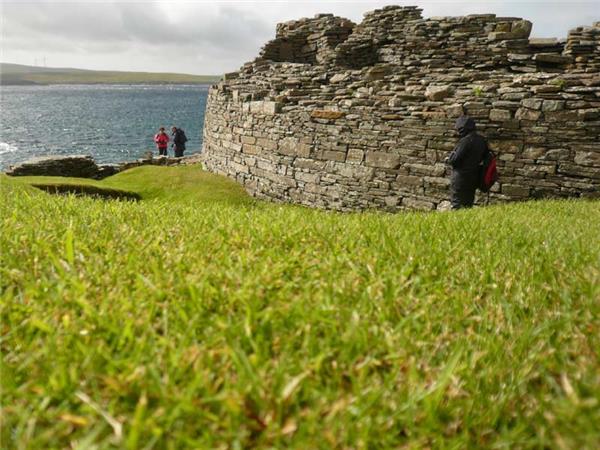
{"x": 112, "y": 123}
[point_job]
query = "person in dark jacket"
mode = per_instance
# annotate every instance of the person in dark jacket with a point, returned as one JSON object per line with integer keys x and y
{"x": 179, "y": 140}
{"x": 465, "y": 161}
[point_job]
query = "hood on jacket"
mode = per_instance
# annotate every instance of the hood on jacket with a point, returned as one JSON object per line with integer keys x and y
{"x": 464, "y": 125}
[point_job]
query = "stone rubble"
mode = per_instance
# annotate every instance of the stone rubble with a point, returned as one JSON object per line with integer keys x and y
{"x": 81, "y": 166}
{"x": 343, "y": 116}
{"x": 84, "y": 166}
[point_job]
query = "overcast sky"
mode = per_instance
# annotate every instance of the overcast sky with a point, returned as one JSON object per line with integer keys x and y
{"x": 211, "y": 37}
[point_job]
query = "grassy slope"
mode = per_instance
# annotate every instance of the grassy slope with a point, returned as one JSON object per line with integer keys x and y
{"x": 180, "y": 322}
{"x": 170, "y": 184}
{"x": 13, "y": 73}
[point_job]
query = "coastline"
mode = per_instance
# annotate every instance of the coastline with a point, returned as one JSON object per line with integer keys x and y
{"x": 84, "y": 166}
{"x": 114, "y": 123}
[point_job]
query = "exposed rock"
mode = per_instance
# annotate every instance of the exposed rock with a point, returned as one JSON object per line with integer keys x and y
{"x": 339, "y": 77}
{"x": 83, "y": 166}
{"x": 319, "y": 114}
{"x": 552, "y": 58}
{"x": 436, "y": 93}
{"x": 382, "y": 160}
{"x": 80, "y": 166}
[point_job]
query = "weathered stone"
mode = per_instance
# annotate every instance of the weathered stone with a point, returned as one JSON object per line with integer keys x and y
{"x": 378, "y": 73}
{"x": 355, "y": 155}
{"x": 409, "y": 180}
{"x": 267, "y": 144}
{"x": 561, "y": 116}
{"x": 532, "y": 103}
{"x": 514, "y": 190}
{"x": 413, "y": 203}
{"x": 500, "y": 115}
{"x": 546, "y": 89}
{"x": 552, "y": 58}
{"x": 454, "y": 110}
{"x": 519, "y": 30}
{"x": 542, "y": 42}
{"x": 339, "y": 77}
{"x": 264, "y": 107}
{"x": 558, "y": 154}
{"x": 307, "y": 177}
{"x": 382, "y": 160}
{"x": 288, "y": 146}
{"x": 392, "y": 201}
{"x": 533, "y": 152}
{"x": 79, "y": 166}
{"x": 589, "y": 114}
{"x": 588, "y": 158}
{"x": 444, "y": 206}
{"x": 329, "y": 115}
{"x": 334, "y": 156}
{"x": 553, "y": 105}
{"x": 436, "y": 93}
{"x": 506, "y": 146}
{"x": 248, "y": 140}
{"x": 527, "y": 114}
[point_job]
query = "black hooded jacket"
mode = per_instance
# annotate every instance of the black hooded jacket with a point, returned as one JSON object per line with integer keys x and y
{"x": 471, "y": 147}
{"x": 179, "y": 138}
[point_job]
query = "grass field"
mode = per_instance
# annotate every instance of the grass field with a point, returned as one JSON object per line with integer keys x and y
{"x": 199, "y": 318}
{"x": 19, "y": 74}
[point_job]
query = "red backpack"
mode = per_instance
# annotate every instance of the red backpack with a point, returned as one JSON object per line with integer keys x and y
{"x": 489, "y": 172}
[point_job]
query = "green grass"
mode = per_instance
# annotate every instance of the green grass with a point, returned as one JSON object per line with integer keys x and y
{"x": 169, "y": 184}
{"x": 183, "y": 322}
{"x": 18, "y": 74}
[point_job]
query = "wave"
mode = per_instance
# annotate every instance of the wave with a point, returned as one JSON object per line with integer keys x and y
{"x": 5, "y": 147}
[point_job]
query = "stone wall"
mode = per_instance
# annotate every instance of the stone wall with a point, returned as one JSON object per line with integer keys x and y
{"x": 340, "y": 120}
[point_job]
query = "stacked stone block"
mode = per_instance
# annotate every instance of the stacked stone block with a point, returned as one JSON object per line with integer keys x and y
{"x": 583, "y": 44}
{"x": 368, "y": 122}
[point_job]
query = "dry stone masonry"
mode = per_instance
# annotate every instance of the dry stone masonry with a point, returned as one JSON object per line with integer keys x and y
{"x": 344, "y": 116}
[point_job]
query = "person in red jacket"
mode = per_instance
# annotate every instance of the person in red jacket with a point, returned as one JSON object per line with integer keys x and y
{"x": 161, "y": 139}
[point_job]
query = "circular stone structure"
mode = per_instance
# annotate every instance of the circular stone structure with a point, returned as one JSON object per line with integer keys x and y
{"x": 342, "y": 116}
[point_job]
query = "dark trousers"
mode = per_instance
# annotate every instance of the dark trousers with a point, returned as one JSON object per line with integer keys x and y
{"x": 162, "y": 151}
{"x": 462, "y": 189}
{"x": 179, "y": 151}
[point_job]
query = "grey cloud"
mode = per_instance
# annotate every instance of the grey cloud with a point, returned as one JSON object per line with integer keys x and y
{"x": 220, "y": 35}
{"x": 131, "y": 22}
{"x": 212, "y": 37}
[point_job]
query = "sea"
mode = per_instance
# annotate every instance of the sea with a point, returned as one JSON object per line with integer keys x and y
{"x": 112, "y": 123}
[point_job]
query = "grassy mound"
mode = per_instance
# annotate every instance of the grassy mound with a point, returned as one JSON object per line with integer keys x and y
{"x": 182, "y": 322}
{"x": 170, "y": 184}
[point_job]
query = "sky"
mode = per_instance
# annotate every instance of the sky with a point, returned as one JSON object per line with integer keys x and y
{"x": 211, "y": 37}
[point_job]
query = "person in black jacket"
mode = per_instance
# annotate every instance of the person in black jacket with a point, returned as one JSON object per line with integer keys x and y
{"x": 179, "y": 140}
{"x": 465, "y": 161}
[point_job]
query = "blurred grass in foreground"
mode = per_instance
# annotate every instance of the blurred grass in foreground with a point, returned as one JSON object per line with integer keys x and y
{"x": 198, "y": 318}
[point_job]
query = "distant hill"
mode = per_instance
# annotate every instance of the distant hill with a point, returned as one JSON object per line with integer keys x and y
{"x": 16, "y": 74}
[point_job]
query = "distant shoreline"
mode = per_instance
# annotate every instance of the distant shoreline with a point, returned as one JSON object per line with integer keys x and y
{"x": 20, "y": 75}
{"x": 27, "y": 83}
